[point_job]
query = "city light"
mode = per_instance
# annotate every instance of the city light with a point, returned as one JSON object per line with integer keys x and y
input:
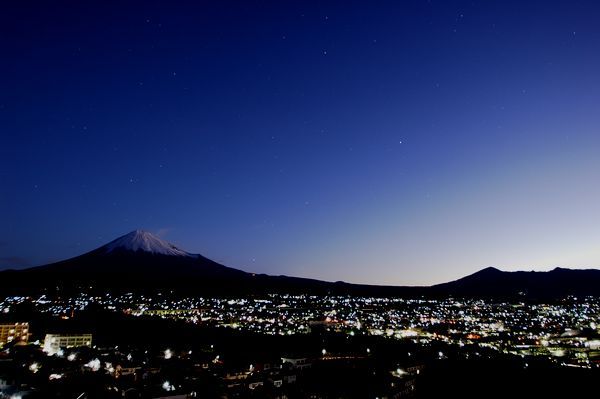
{"x": 167, "y": 386}
{"x": 94, "y": 364}
{"x": 559, "y": 333}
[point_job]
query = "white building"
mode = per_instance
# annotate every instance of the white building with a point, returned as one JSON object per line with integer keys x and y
{"x": 297, "y": 362}
{"x": 54, "y": 342}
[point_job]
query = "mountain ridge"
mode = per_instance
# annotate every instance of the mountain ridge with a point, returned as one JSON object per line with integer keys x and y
{"x": 139, "y": 260}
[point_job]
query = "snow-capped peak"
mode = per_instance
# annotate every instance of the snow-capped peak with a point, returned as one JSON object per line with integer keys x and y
{"x": 139, "y": 240}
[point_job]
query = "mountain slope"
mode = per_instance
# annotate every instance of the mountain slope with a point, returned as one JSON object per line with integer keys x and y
{"x": 142, "y": 261}
{"x": 135, "y": 260}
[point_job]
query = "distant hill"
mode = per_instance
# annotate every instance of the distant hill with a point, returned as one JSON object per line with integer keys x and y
{"x": 552, "y": 284}
{"x": 142, "y": 261}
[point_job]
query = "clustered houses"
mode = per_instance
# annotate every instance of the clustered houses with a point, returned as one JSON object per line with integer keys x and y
{"x": 132, "y": 372}
{"x": 566, "y": 331}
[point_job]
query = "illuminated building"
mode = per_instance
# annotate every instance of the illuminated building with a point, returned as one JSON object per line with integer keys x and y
{"x": 17, "y": 332}
{"x": 297, "y": 362}
{"x": 53, "y": 342}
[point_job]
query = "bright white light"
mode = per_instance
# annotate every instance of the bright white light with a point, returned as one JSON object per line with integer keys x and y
{"x": 93, "y": 364}
{"x": 324, "y": 351}
{"x": 109, "y": 367}
{"x": 167, "y": 386}
{"x": 34, "y": 367}
{"x": 168, "y": 354}
{"x": 71, "y": 357}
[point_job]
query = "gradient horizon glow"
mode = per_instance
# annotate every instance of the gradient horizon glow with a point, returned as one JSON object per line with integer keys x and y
{"x": 398, "y": 143}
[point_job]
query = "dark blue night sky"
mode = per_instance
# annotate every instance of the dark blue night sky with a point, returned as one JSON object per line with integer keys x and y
{"x": 401, "y": 142}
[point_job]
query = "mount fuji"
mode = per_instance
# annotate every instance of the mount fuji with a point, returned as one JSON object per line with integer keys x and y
{"x": 141, "y": 261}
{"x": 136, "y": 260}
